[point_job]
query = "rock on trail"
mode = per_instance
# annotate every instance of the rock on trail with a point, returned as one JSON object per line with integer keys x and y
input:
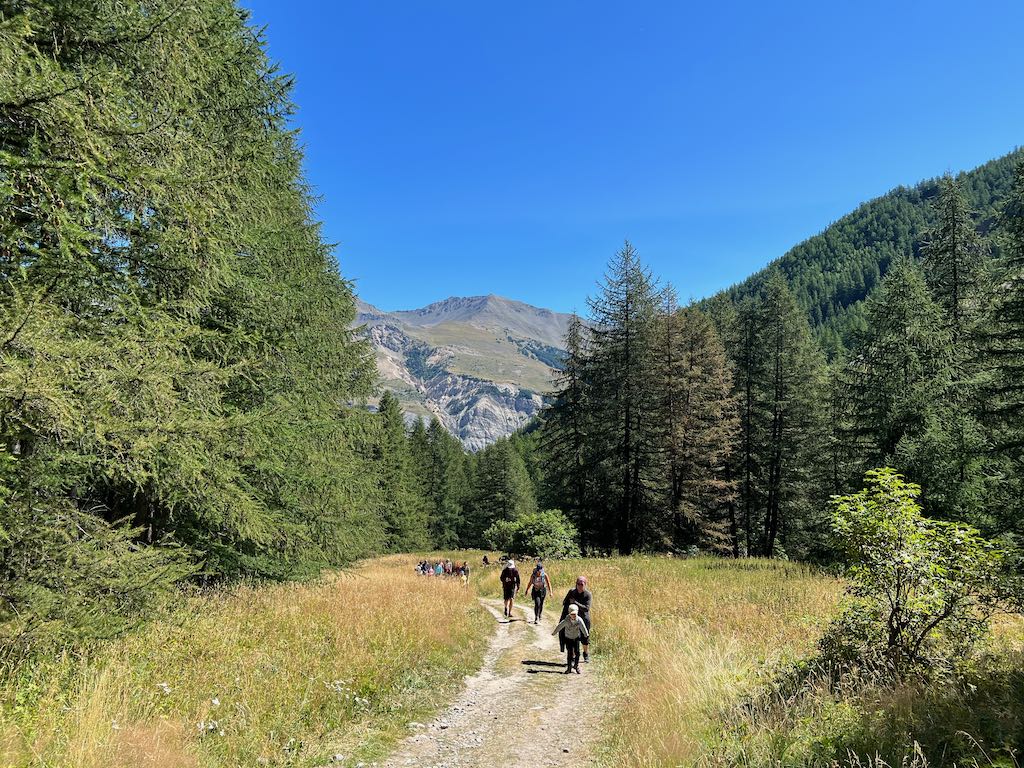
{"x": 518, "y": 710}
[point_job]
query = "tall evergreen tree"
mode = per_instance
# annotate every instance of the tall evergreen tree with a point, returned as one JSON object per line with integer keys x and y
{"x": 745, "y": 329}
{"x": 954, "y": 258}
{"x": 403, "y": 506}
{"x": 623, "y": 342}
{"x": 447, "y": 487}
{"x": 566, "y": 435}
{"x": 794, "y": 409}
{"x": 501, "y": 489}
{"x": 698, "y": 415}
{"x": 175, "y": 349}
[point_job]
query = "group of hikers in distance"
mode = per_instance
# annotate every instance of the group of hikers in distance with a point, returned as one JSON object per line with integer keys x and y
{"x": 573, "y": 628}
{"x": 444, "y": 568}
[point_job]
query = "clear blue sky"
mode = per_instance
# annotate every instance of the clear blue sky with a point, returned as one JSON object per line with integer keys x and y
{"x": 473, "y": 147}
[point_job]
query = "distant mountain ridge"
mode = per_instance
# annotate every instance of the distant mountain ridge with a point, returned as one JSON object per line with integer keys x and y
{"x": 480, "y": 364}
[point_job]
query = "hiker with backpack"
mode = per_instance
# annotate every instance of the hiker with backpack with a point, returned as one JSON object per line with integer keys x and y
{"x": 572, "y": 630}
{"x": 510, "y": 583}
{"x": 579, "y": 597}
{"x": 539, "y": 587}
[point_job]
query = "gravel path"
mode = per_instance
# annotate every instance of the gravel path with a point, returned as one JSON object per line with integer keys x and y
{"x": 518, "y": 710}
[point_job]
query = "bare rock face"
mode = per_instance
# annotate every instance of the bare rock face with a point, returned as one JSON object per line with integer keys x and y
{"x": 482, "y": 365}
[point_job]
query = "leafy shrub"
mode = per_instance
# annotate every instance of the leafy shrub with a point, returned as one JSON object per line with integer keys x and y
{"x": 546, "y": 534}
{"x": 923, "y": 590}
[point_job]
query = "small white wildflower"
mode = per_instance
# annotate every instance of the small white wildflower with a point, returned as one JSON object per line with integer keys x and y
{"x": 165, "y": 688}
{"x": 215, "y": 701}
{"x": 221, "y": 731}
{"x": 114, "y": 726}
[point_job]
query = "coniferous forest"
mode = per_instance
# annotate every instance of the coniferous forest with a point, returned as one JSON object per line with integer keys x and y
{"x": 183, "y": 399}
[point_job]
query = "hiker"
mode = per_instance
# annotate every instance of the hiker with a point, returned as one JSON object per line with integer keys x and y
{"x": 510, "y": 585}
{"x": 465, "y": 573}
{"x": 580, "y": 598}
{"x": 573, "y": 630}
{"x": 438, "y": 568}
{"x": 539, "y": 587}
{"x": 486, "y": 561}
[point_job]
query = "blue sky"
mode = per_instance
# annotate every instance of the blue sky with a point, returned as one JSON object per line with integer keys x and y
{"x": 464, "y": 148}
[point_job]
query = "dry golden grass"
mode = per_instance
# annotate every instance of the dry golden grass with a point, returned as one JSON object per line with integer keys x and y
{"x": 682, "y": 640}
{"x": 282, "y": 675}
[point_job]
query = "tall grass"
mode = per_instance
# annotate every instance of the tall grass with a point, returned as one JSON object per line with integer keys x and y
{"x": 682, "y": 640}
{"x": 708, "y": 662}
{"x": 282, "y": 675}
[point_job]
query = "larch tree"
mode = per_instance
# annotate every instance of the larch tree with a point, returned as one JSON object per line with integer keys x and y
{"x": 623, "y": 337}
{"x": 699, "y": 420}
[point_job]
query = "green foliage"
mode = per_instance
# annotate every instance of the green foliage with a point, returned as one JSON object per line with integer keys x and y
{"x": 175, "y": 349}
{"x": 501, "y": 489}
{"x": 547, "y": 534}
{"x": 778, "y": 461}
{"x": 922, "y": 590}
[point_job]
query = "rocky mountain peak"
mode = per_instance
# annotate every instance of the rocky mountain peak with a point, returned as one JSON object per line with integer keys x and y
{"x": 481, "y": 364}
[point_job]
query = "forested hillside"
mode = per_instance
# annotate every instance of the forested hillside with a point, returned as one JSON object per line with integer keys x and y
{"x": 832, "y": 273}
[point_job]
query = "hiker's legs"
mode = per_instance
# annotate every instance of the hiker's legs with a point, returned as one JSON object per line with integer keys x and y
{"x": 538, "y": 603}
{"x": 572, "y": 653}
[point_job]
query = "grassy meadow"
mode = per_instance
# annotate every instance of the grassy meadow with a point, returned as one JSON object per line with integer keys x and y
{"x": 707, "y": 661}
{"x": 701, "y": 660}
{"x": 283, "y": 675}
{"x": 680, "y": 640}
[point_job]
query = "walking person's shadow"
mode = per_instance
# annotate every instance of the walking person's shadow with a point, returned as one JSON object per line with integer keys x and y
{"x": 545, "y": 667}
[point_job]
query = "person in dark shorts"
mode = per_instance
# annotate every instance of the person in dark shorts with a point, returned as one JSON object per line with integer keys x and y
{"x": 580, "y": 597}
{"x": 539, "y": 587}
{"x": 510, "y": 585}
{"x": 572, "y": 629}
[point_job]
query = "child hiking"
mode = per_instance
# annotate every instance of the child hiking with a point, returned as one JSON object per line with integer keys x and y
{"x": 539, "y": 587}
{"x": 573, "y": 630}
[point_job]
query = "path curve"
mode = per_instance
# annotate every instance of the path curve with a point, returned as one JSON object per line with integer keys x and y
{"x": 518, "y": 710}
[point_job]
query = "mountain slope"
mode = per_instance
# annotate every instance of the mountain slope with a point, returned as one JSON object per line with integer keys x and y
{"x": 480, "y": 364}
{"x": 833, "y": 272}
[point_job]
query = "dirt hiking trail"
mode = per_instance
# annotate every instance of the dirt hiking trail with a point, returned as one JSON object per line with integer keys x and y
{"x": 518, "y": 710}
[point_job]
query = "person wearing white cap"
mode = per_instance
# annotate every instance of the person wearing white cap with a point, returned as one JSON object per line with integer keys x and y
{"x": 510, "y": 585}
{"x": 574, "y": 630}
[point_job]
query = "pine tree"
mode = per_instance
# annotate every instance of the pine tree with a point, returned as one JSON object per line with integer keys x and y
{"x": 698, "y": 415}
{"x": 402, "y": 505}
{"x": 624, "y": 407}
{"x": 448, "y": 487}
{"x": 897, "y": 387}
{"x": 793, "y": 406}
{"x": 566, "y": 435}
{"x": 501, "y": 489}
{"x": 954, "y": 258}
{"x": 745, "y": 329}
{"x": 1004, "y": 348}
{"x": 175, "y": 343}
{"x": 1003, "y": 354}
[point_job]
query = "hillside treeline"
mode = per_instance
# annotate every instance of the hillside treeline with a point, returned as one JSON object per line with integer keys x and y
{"x": 833, "y": 273}
{"x": 178, "y": 380}
{"x": 727, "y": 429}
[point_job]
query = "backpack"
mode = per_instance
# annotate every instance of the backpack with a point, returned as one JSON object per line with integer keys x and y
{"x": 538, "y": 579}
